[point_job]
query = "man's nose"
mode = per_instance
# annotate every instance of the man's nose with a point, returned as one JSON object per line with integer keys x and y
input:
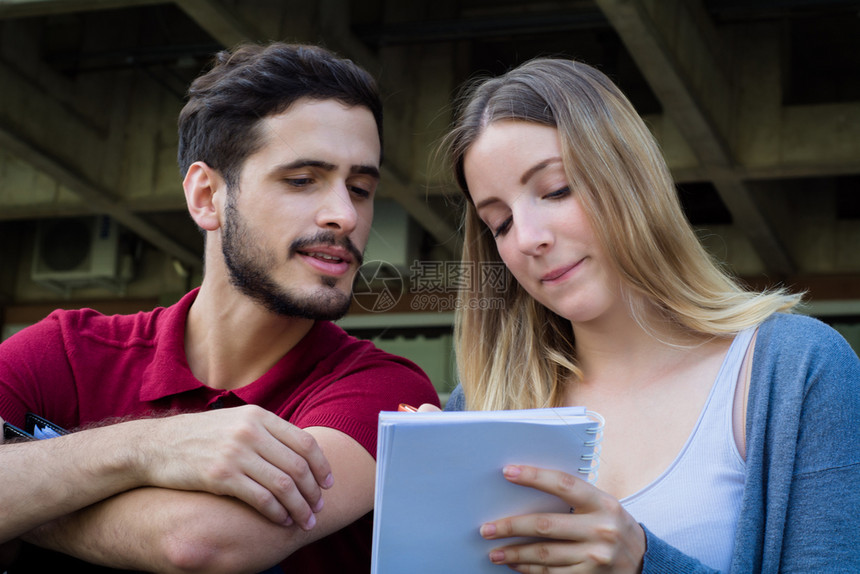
{"x": 338, "y": 212}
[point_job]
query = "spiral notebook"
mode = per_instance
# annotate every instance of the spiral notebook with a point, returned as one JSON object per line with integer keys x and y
{"x": 439, "y": 477}
{"x": 35, "y": 428}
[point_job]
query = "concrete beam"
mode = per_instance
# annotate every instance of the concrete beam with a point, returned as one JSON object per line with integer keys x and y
{"x": 659, "y": 48}
{"x": 29, "y": 8}
{"x": 220, "y": 22}
{"x": 97, "y": 199}
{"x": 334, "y": 18}
{"x": 393, "y": 187}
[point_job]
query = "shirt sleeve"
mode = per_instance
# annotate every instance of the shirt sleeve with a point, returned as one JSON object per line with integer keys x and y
{"x": 661, "y": 558}
{"x": 376, "y": 382}
{"x": 822, "y": 526}
{"x": 35, "y": 375}
{"x": 457, "y": 400}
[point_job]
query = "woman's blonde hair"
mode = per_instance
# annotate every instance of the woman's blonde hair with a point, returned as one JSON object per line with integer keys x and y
{"x": 520, "y": 354}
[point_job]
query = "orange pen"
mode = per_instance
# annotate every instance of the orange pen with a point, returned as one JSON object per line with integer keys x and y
{"x": 407, "y": 408}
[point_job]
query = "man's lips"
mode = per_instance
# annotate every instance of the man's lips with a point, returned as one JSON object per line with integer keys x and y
{"x": 328, "y": 259}
{"x": 328, "y": 254}
{"x": 333, "y": 254}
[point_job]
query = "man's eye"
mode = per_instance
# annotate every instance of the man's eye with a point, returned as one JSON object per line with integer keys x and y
{"x": 299, "y": 181}
{"x": 360, "y": 191}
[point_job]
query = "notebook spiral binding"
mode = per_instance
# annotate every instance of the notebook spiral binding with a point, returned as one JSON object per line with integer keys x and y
{"x": 593, "y": 458}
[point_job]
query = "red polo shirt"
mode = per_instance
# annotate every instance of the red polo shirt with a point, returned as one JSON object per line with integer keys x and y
{"x": 81, "y": 367}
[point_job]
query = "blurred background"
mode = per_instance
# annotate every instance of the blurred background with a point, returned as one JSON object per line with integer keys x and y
{"x": 756, "y": 104}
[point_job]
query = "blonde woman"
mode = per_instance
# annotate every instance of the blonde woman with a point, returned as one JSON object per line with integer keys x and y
{"x": 732, "y": 437}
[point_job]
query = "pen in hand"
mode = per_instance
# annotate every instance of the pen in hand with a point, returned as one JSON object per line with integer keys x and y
{"x": 406, "y": 408}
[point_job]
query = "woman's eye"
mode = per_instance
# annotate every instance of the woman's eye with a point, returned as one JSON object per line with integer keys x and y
{"x": 502, "y": 228}
{"x": 559, "y": 193}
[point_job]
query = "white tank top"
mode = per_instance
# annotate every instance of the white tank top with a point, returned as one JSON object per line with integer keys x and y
{"x": 694, "y": 505}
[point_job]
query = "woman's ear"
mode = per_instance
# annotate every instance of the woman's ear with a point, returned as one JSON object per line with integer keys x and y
{"x": 204, "y": 188}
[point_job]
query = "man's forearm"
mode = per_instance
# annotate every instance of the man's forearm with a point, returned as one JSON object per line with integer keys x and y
{"x": 161, "y": 530}
{"x": 245, "y": 452}
{"x": 43, "y": 480}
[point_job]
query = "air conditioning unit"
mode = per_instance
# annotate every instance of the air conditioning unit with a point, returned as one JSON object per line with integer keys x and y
{"x": 77, "y": 252}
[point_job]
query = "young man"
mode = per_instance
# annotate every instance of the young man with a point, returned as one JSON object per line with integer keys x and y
{"x": 280, "y": 147}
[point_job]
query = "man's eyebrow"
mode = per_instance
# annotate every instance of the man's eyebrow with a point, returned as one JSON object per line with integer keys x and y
{"x": 370, "y": 170}
{"x": 299, "y": 163}
{"x": 537, "y": 167}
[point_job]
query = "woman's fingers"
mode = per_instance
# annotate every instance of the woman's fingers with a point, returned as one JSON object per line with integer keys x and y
{"x": 564, "y": 556}
{"x": 545, "y": 525}
{"x": 428, "y": 408}
{"x": 545, "y": 553}
{"x": 598, "y": 535}
{"x": 578, "y": 493}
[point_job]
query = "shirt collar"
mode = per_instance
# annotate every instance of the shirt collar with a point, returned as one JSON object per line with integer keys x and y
{"x": 168, "y": 373}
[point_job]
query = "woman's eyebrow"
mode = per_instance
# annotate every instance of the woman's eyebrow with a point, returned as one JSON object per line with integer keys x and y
{"x": 485, "y": 203}
{"x": 529, "y": 173}
{"x": 538, "y": 167}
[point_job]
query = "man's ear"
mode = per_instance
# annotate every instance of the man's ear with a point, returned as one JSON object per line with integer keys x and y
{"x": 204, "y": 190}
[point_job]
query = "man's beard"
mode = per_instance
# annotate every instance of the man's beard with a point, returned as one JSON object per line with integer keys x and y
{"x": 248, "y": 265}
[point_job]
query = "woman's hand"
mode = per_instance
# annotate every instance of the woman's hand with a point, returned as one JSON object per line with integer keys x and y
{"x": 598, "y": 536}
{"x": 428, "y": 408}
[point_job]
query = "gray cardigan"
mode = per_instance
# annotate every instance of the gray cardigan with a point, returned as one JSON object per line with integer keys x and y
{"x": 801, "y": 504}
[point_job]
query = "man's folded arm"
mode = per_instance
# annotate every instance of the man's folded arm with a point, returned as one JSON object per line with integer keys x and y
{"x": 246, "y": 452}
{"x": 163, "y": 530}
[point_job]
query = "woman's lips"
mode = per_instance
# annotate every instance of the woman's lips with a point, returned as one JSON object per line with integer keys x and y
{"x": 559, "y": 272}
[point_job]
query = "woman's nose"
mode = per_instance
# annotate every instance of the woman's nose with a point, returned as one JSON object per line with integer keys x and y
{"x": 533, "y": 236}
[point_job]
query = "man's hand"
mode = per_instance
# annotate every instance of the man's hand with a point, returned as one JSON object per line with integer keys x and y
{"x": 246, "y": 452}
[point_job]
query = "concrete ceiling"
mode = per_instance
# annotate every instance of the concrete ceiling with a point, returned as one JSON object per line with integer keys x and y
{"x": 756, "y": 104}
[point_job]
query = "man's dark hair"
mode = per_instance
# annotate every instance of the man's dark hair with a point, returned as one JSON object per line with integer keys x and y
{"x": 219, "y": 124}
